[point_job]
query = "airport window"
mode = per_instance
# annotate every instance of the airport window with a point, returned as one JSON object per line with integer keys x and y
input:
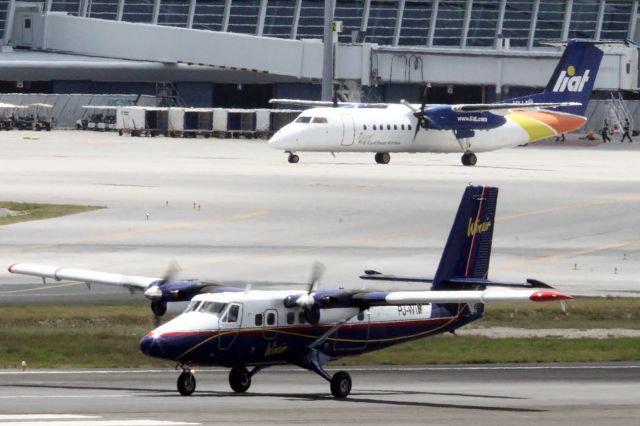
{"x": 243, "y": 16}
{"x": 303, "y": 120}
{"x": 301, "y": 318}
{"x": 382, "y": 22}
{"x": 550, "y": 19}
{"x": 322, "y": 120}
{"x": 483, "y": 22}
{"x": 517, "y": 20}
{"x": 209, "y": 15}
{"x": 258, "y": 319}
{"x": 136, "y": 11}
{"x": 278, "y": 18}
{"x": 584, "y": 17}
{"x": 103, "y": 9}
{"x": 173, "y": 13}
{"x": 271, "y": 318}
{"x": 350, "y": 13}
{"x": 615, "y": 22}
{"x": 310, "y": 24}
{"x": 449, "y": 23}
{"x": 415, "y": 23}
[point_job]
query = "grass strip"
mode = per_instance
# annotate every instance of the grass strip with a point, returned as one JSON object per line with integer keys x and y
{"x": 24, "y": 212}
{"x": 92, "y": 336}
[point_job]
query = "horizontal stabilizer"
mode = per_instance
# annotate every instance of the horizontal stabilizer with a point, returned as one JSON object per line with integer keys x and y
{"x": 506, "y": 107}
{"x": 378, "y": 276}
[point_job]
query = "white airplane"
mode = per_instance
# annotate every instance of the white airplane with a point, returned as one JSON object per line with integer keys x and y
{"x": 467, "y": 128}
{"x": 257, "y": 329}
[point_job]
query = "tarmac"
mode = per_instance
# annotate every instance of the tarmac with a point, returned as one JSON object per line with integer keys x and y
{"x": 585, "y": 394}
{"x": 236, "y": 211}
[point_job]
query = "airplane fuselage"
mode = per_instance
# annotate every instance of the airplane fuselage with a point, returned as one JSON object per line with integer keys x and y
{"x": 392, "y": 129}
{"x": 264, "y": 331}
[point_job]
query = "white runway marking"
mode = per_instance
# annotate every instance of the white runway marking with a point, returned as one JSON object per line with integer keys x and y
{"x": 77, "y": 420}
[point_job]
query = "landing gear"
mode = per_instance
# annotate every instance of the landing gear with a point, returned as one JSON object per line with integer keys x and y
{"x": 341, "y": 384}
{"x": 186, "y": 383}
{"x": 293, "y": 158}
{"x": 469, "y": 159}
{"x": 382, "y": 157}
{"x": 239, "y": 379}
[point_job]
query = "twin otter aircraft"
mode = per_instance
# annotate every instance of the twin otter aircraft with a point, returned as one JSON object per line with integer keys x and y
{"x": 466, "y": 128}
{"x": 250, "y": 330}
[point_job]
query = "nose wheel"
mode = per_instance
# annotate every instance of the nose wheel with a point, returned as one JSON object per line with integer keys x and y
{"x": 469, "y": 159}
{"x": 293, "y": 158}
{"x": 186, "y": 383}
{"x": 382, "y": 157}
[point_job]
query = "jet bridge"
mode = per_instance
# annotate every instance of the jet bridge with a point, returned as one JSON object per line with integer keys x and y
{"x": 57, "y": 31}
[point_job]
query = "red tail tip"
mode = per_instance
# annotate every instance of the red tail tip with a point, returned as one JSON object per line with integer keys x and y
{"x": 549, "y": 296}
{"x": 11, "y": 266}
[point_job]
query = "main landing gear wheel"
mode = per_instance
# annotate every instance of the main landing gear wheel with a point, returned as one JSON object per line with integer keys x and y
{"x": 293, "y": 158}
{"x": 186, "y": 383}
{"x": 239, "y": 379}
{"x": 382, "y": 157}
{"x": 469, "y": 159}
{"x": 341, "y": 384}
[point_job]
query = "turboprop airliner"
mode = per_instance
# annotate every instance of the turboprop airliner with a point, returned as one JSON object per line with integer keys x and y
{"x": 250, "y": 330}
{"x": 468, "y": 128}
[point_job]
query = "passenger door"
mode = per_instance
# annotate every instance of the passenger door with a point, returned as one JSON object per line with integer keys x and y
{"x": 348, "y": 130}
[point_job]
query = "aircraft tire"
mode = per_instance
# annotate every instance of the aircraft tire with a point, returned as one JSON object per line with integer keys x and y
{"x": 186, "y": 383}
{"x": 293, "y": 158}
{"x": 469, "y": 159}
{"x": 239, "y": 379}
{"x": 385, "y": 158}
{"x": 341, "y": 384}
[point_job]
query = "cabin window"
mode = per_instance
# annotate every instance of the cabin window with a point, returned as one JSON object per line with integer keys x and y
{"x": 388, "y": 126}
{"x": 360, "y": 316}
{"x": 382, "y": 127}
{"x": 374, "y": 127}
{"x": 258, "y": 319}
{"x": 408, "y": 126}
{"x": 301, "y": 318}
{"x": 364, "y": 127}
{"x": 303, "y": 120}
{"x": 271, "y": 318}
{"x": 322, "y": 120}
{"x": 395, "y": 127}
{"x": 402, "y": 126}
{"x": 291, "y": 317}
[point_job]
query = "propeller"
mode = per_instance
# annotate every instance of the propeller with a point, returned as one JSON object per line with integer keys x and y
{"x": 154, "y": 292}
{"x": 419, "y": 114}
{"x": 306, "y": 300}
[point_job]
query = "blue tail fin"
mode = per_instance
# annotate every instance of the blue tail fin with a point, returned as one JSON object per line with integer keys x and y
{"x": 468, "y": 248}
{"x": 573, "y": 78}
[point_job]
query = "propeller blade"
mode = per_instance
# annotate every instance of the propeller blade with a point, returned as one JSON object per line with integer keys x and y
{"x": 170, "y": 273}
{"x": 316, "y": 274}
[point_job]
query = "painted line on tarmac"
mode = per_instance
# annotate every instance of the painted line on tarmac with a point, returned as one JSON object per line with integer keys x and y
{"x": 371, "y": 369}
{"x": 144, "y": 422}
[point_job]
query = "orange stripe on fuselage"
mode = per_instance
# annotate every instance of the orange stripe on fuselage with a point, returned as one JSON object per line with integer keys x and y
{"x": 561, "y": 123}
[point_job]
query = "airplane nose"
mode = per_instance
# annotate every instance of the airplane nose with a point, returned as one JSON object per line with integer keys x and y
{"x": 283, "y": 139}
{"x": 149, "y": 345}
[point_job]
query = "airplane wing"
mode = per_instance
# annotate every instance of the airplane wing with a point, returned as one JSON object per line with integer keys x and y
{"x": 462, "y": 296}
{"x": 131, "y": 282}
{"x": 502, "y": 108}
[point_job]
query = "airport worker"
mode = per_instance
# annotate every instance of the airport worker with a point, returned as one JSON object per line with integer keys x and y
{"x": 605, "y": 132}
{"x": 626, "y": 127}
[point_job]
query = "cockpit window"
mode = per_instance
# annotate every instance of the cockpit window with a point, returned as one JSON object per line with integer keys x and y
{"x": 212, "y": 307}
{"x": 303, "y": 120}
{"x": 232, "y": 314}
{"x": 193, "y": 306}
{"x": 319, "y": 120}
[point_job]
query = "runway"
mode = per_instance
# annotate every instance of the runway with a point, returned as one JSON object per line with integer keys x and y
{"x": 236, "y": 211}
{"x": 589, "y": 394}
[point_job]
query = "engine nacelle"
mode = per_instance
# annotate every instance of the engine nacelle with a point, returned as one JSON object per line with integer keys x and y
{"x": 323, "y": 316}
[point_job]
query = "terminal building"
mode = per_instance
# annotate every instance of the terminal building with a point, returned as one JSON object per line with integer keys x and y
{"x": 241, "y": 53}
